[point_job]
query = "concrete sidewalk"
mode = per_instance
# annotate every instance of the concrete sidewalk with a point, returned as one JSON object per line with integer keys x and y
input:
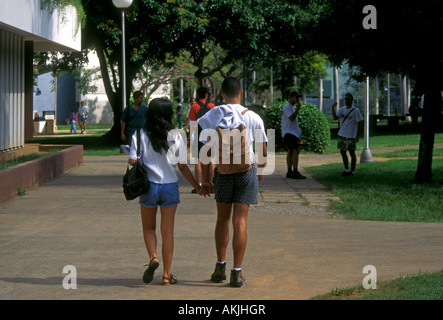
{"x": 295, "y": 249}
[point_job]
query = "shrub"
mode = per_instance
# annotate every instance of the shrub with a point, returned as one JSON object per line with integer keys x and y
{"x": 312, "y": 122}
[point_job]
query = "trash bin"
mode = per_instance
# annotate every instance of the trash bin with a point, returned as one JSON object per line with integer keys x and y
{"x": 39, "y": 125}
{"x": 50, "y": 121}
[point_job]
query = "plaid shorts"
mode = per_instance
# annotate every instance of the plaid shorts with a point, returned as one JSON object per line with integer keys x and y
{"x": 236, "y": 188}
{"x": 346, "y": 144}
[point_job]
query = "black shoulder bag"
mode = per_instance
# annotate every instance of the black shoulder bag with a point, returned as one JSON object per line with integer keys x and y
{"x": 135, "y": 181}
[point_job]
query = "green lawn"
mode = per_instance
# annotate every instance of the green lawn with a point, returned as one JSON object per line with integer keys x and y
{"x": 422, "y": 286}
{"x": 384, "y": 191}
{"x": 94, "y": 143}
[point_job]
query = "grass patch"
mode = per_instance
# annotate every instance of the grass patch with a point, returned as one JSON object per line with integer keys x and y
{"x": 385, "y": 141}
{"x": 94, "y": 143}
{"x": 422, "y": 286}
{"x": 383, "y": 191}
{"x": 22, "y": 159}
{"x": 407, "y": 153}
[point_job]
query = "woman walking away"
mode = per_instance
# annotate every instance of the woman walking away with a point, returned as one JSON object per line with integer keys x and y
{"x": 157, "y": 137}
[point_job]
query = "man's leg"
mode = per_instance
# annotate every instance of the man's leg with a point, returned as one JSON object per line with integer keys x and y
{"x": 344, "y": 156}
{"x": 289, "y": 157}
{"x": 222, "y": 229}
{"x": 295, "y": 154}
{"x": 239, "y": 240}
{"x": 353, "y": 160}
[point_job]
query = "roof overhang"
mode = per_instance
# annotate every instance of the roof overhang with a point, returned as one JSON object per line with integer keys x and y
{"x": 50, "y": 31}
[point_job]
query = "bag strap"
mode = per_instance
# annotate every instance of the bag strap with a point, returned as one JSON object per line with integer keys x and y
{"x": 347, "y": 116}
{"x": 138, "y": 143}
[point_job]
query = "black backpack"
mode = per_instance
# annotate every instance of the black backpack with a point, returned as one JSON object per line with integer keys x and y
{"x": 203, "y": 109}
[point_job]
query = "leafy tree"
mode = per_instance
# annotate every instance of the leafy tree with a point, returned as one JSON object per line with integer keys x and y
{"x": 403, "y": 40}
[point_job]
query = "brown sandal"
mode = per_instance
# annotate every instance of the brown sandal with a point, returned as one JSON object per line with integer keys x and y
{"x": 148, "y": 275}
{"x": 171, "y": 280}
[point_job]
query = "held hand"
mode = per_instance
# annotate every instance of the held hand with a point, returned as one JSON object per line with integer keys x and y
{"x": 204, "y": 192}
{"x": 208, "y": 186}
{"x": 334, "y": 105}
{"x": 298, "y": 104}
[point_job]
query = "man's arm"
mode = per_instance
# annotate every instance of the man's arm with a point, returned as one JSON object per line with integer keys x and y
{"x": 261, "y": 158}
{"x": 359, "y": 128}
{"x": 334, "y": 114}
{"x": 293, "y": 116}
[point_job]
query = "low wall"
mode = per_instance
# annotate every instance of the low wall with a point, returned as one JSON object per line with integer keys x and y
{"x": 33, "y": 173}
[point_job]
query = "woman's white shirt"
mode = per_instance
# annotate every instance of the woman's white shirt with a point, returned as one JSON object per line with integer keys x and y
{"x": 160, "y": 166}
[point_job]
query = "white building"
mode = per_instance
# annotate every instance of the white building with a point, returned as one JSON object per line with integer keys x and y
{"x": 100, "y": 111}
{"x": 26, "y": 27}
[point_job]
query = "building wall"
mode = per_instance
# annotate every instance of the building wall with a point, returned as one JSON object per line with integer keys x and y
{"x": 11, "y": 91}
{"x": 23, "y": 22}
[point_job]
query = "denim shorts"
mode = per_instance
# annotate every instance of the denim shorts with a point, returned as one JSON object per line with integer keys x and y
{"x": 161, "y": 195}
{"x": 236, "y": 188}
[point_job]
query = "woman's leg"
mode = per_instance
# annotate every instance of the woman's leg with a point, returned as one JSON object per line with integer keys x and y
{"x": 167, "y": 231}
{"x": 149, "y": 224}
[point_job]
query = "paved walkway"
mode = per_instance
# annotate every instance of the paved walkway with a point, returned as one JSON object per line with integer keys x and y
{"x": 295, "y": 248}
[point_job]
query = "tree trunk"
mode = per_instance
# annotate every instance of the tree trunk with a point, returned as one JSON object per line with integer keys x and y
{"x": 430, "y": 118}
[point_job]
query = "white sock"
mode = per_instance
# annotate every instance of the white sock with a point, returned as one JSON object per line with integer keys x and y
{"x": 236, "y": 269}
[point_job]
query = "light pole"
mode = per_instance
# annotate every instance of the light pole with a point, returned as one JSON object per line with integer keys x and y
{"x": 366, "y": 155}
{"x": 122, "y": 5}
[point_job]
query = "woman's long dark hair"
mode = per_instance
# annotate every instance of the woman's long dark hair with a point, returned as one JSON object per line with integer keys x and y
{"x": 159, "y": 123}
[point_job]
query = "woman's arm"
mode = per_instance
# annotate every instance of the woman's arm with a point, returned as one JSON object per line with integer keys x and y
{"x": 186, "y": 172}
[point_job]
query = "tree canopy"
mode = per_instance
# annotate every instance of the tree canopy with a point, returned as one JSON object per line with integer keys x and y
{"x": 404, "y": 38}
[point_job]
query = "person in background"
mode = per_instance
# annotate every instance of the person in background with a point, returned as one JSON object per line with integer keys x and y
{"x": 198, "y": 110}
{"x": 133, "y": 117}
{"x": 179, "y": 113}
{"x": 83, "y": 114}
{"x": 291, "y": 133}
{"x": 350, "y": 120}
{"x": 72, "y": 120}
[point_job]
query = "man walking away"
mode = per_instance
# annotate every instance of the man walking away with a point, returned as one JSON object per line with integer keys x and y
{"x": 234, "y": 192}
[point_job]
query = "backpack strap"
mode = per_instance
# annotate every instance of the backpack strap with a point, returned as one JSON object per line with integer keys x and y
{"x": 201, "y": 106}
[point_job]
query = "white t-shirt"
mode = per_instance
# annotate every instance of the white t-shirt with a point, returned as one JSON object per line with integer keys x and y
{"x": 83, "y": 111}
{"x": 255, "y": 129}
{"x": 348, "y": 129}
{"x": 160, "y": 166}
{"x": 288, "y": 126}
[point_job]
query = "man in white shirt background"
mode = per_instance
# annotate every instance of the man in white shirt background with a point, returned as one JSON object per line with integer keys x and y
{"x": 350, "y": 120}
{"x": 83, "y": 114}
{"x": 291, "y": 133}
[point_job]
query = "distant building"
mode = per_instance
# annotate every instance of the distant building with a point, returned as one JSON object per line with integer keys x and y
{"x": 60, "y": 95}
